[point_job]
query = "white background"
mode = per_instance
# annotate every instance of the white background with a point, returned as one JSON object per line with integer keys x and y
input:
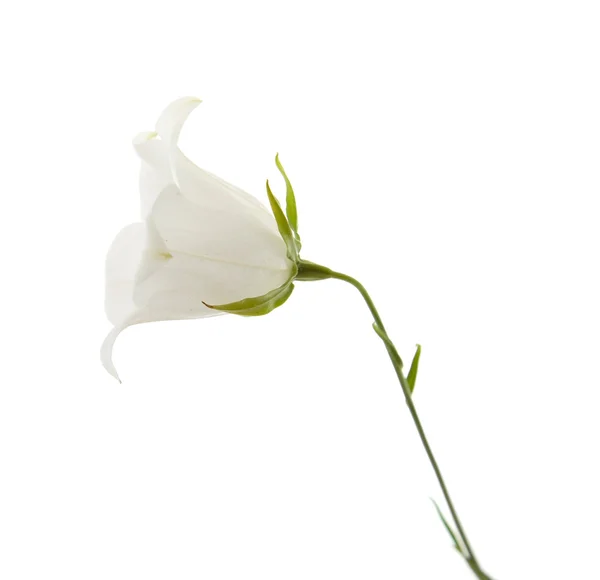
{"x": 446, "y": 154}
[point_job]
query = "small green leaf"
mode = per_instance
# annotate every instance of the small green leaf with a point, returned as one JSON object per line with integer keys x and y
{"x": 388, "y": 343}
{"x": 290, "y": 200}
{"x": 259, "y": 305}
{"x": 382, "y": 334}
{"x": 414, "y": 369}
{"x": 448, "y": 528}
{"x": 283, "y": 226}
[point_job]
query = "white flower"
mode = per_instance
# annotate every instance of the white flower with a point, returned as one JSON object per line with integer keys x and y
{"x": 202, "y": 241}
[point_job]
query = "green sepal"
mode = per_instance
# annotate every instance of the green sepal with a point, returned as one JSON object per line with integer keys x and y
{"x": 448, "y": 528}
{"x": 259, "y": 305}
{"x": 283, "y": 226}
{"x": 270, "y": 305}
{"x": 290, "y": 202}
{"x": 414, "y": 369}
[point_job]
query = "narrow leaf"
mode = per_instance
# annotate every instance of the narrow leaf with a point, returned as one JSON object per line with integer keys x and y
{"x": 283, "y": 226}
{"x": 448, "y": 528}
{"x": 414, "y": 369}
{"x": 290, "y": 199}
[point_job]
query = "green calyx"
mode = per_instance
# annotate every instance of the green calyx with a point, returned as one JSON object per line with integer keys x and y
{"x": 287, "y": 224}
{"x": 309, "y": 271}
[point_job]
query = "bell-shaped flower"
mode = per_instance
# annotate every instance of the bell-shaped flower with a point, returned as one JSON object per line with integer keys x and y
{"x": 201, "y": 242}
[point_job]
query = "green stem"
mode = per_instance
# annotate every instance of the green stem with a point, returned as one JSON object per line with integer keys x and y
{"x": 311, "y": 271}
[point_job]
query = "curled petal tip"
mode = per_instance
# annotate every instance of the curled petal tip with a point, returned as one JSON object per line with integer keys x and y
{"x": 171, "y": 120}
{"x": 106, "y": 352}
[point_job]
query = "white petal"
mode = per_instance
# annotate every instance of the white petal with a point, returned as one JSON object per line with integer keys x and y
{"x": 175, "y": 305}
{"x": 107, "y": 348}
{"x": 206, "y": 189}
{"x": 148, "y": 147}
{"x": 137, "y": 253}
{"x": 181, "y": 287}
{"x": 196, "y": 184}
{"x": 171, "y": 120}
{"x": 217, "y": 234}
{"x": 155, "y": 170}
{"x": 155, "y": 254}
{"x": 122, "y": 263}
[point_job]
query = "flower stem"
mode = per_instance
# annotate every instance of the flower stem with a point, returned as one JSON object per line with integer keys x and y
{"x": 466, "y": 550}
